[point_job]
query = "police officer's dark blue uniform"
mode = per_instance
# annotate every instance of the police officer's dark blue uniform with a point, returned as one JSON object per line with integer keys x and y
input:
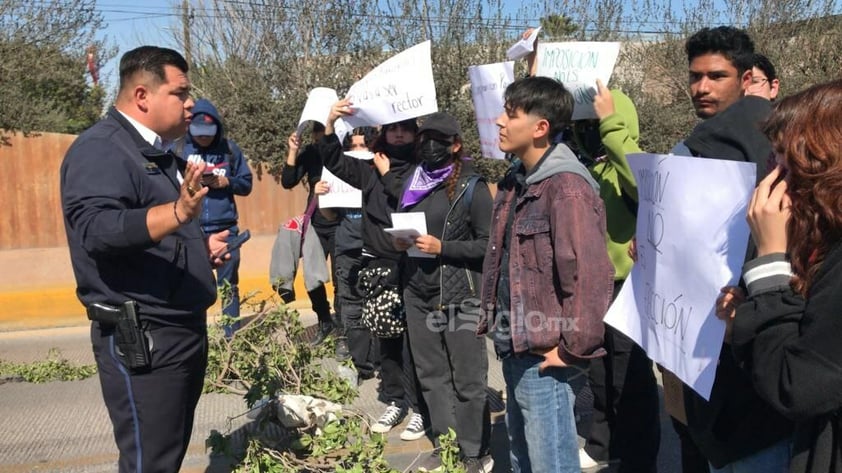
{"x": 131, "y": 237}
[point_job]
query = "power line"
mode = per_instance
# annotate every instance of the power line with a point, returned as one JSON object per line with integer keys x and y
{"x": 500, "y": 23}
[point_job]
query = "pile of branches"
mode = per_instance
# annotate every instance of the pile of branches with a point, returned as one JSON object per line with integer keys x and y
{"x": 267, "y": 360}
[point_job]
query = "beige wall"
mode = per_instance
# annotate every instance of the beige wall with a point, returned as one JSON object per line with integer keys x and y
{"x": 37, "y": 287}
{"x": 29, "y": 192}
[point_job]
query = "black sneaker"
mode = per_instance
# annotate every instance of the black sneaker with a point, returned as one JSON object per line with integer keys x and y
{"x": 325, "y": 330}
{"x": 483, "y": 464}
{"x": 392, "y": 416}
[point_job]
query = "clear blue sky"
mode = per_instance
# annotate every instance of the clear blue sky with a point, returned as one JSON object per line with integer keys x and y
{"x": 133, "y": 23}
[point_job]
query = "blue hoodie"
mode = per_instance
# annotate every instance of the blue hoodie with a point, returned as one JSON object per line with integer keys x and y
{"x": 223, "y": 157}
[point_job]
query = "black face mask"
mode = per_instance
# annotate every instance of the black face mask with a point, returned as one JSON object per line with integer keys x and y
{"x": 400, "y": 152}
{"x": 590, "y": 141}
{"x": 434, "y": 153}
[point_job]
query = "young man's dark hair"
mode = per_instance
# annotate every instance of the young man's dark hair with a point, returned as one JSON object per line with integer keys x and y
{"x": 318, "y": 128}
{"x": 733, "y": 43}
{"x": 764, "y": 64}
{"x": 150, "y": 59}
{"x": 543, "y": 97}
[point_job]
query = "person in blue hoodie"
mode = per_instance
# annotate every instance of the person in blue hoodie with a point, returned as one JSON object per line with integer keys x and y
{"x": 226, "y": 174}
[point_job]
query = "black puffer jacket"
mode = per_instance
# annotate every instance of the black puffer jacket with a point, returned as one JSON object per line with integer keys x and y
{"x": 462, "y": 225}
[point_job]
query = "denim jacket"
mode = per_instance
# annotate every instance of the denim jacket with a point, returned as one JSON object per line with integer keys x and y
{"x": 561, "y": 276}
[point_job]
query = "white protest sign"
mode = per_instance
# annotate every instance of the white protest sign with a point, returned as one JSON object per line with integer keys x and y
{"x": 398, "y": 89}
{"x": 317, "y": 107}
{"x": 488, "y": 83}
{"x": 578, "y": 65}
{"x": 523, "y": 47}
{"x": 340, "y": 193}
{"x": 691, "y": 241}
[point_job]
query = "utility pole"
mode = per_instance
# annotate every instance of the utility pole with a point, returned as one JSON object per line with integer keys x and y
{"x": 185, "y": 23}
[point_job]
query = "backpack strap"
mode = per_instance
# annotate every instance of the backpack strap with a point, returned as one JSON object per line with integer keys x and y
{"x": 469, "y": 192}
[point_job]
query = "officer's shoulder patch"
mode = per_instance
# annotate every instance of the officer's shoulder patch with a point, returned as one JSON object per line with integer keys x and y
{"x": 152, "y": 168}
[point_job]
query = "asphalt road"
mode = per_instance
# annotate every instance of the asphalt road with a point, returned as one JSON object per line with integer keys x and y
{"x": 64, "y": 427}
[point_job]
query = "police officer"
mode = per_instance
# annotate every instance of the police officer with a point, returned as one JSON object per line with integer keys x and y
{"x": 129, "y": 215}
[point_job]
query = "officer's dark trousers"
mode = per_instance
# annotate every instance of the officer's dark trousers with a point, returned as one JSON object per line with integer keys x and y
{"x": 152, "y": 411}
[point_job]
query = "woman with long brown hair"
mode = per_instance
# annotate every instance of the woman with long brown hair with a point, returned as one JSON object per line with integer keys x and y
{"x": 789, "y": 331}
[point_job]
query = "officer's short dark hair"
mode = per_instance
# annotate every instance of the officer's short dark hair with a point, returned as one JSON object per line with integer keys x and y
{"x": 151, "y": 59}
{"x": 733, "y": 43}
{"x": 764, "y": 64}
{"x": 543, "y": 97}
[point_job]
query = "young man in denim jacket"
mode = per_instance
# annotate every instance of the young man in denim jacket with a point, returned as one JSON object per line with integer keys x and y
{"x": 547, "y": 277}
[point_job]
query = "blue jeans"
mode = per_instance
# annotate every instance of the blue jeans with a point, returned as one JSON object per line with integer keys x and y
{"x": 227, "y": 279}
{"x": 774, "y": 459}
{"x": 539, "y": 415}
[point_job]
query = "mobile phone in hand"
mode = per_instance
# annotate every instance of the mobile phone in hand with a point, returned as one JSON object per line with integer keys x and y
{"x": 235, "y": 243}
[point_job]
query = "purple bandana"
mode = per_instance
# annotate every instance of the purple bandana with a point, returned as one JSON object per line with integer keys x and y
{"x": 423, "y": 182}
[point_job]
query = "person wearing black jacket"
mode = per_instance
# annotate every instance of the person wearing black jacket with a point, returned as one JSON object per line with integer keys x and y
{"x": 131, "y": 216}
{"x": 735, "y": 423}
{"x": 787, "y": 335}
{"x": 381, "y": 186}
{"x": 441, "y": 292}
{"x": 735, "y": 430}
{"x": 308, "y": 163}
{"x": 358, "y": 341}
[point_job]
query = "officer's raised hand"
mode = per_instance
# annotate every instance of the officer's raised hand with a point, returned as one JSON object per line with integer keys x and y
{"x": 189, "y": 202}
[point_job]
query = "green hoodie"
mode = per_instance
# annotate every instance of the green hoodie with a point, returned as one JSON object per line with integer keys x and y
{"x": 619, "y": 133}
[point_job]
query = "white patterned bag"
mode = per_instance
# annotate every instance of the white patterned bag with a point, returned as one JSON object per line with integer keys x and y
{"x": 383, "y": 311}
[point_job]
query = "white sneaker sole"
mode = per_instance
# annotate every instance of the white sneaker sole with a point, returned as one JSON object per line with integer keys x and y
{"x": 586, "y": 462}
{"x": 381, "y": 428}
{"x": 408, "y": 436}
